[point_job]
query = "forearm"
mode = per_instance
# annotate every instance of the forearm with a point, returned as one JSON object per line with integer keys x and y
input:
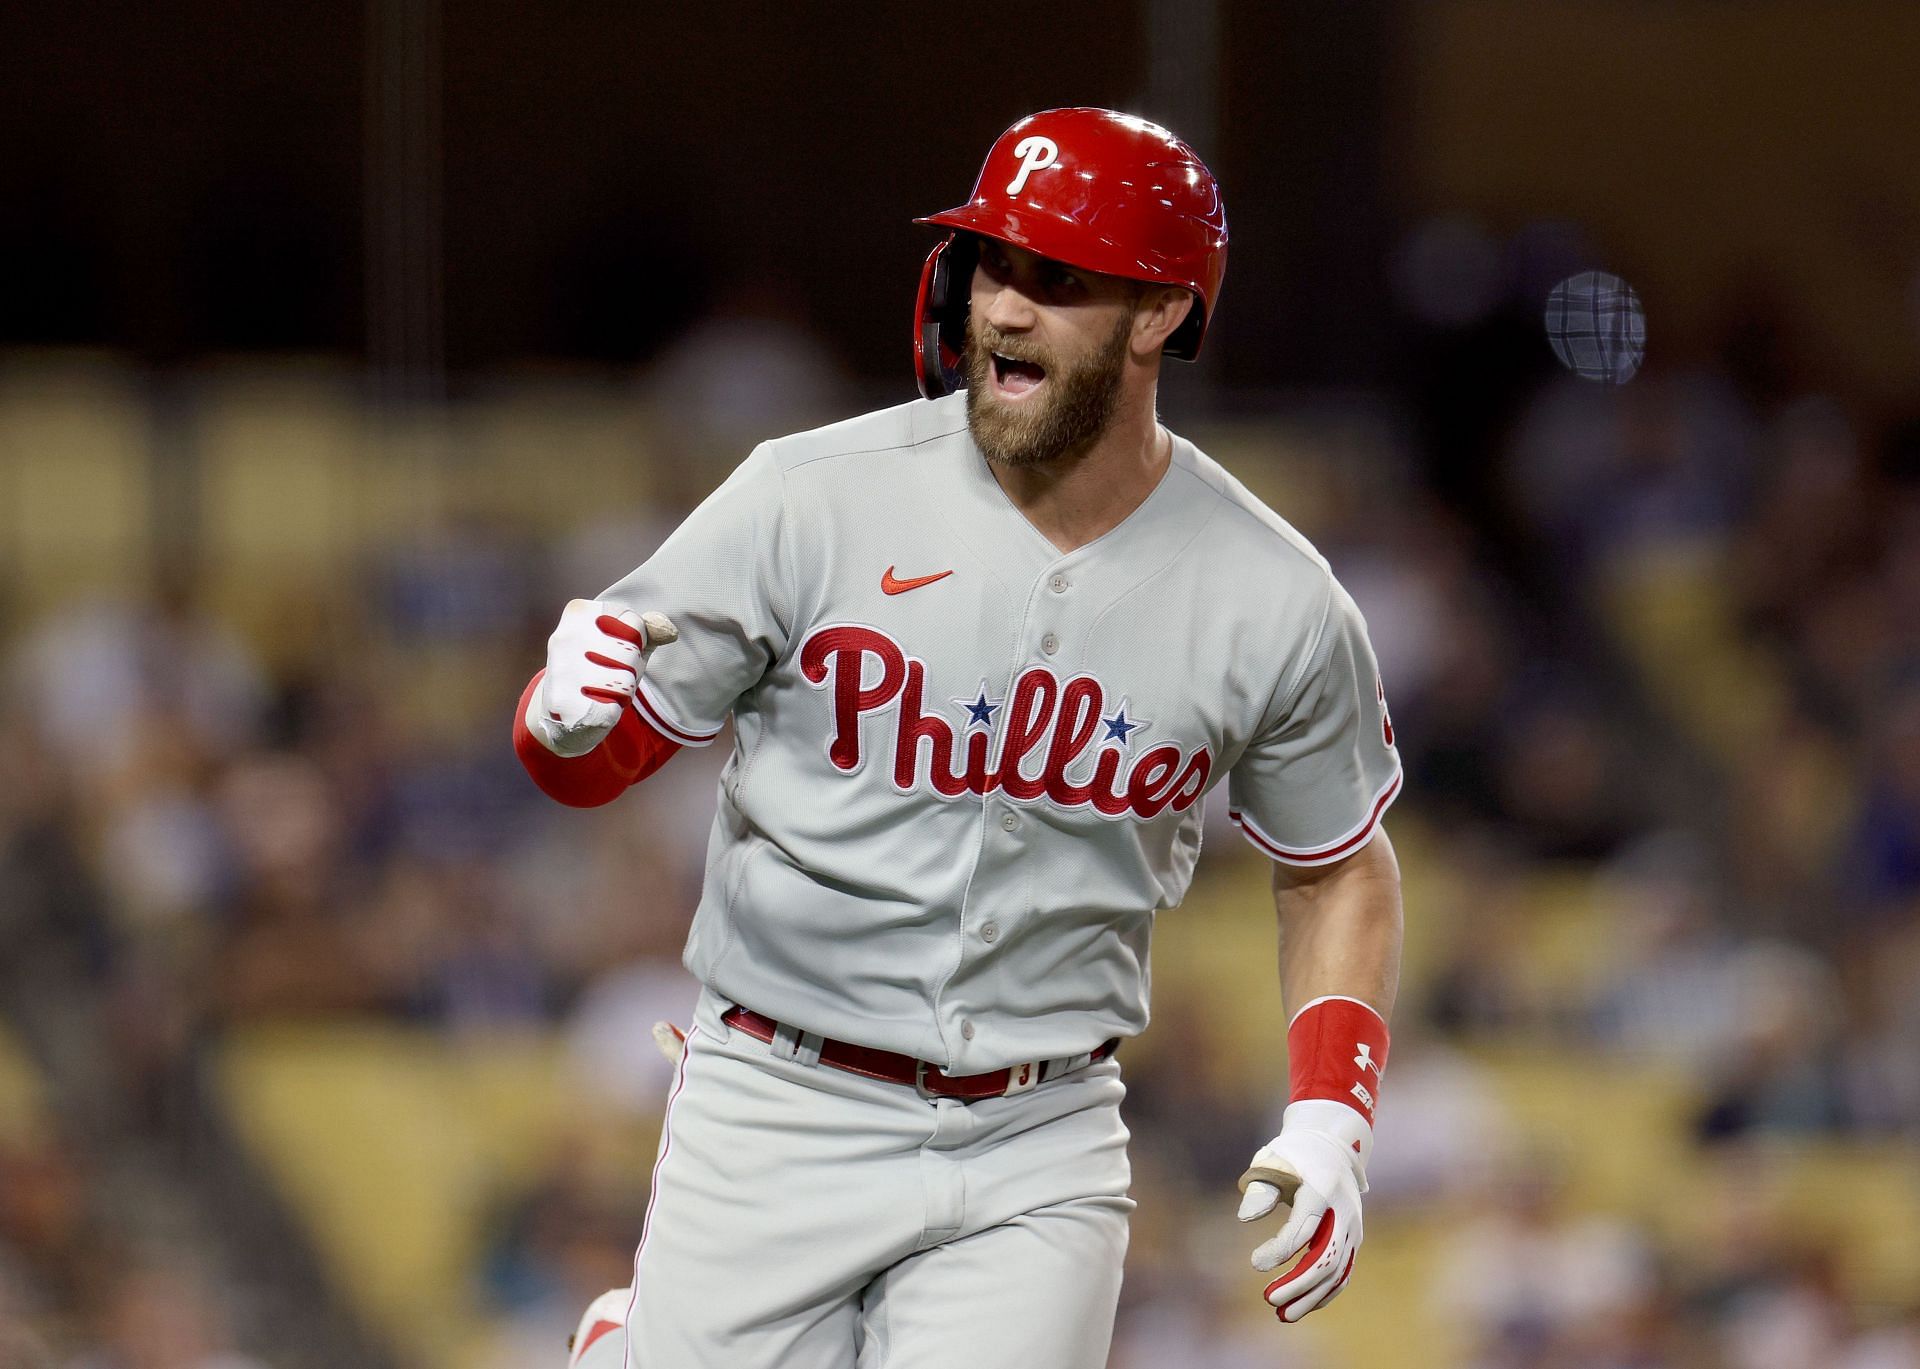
{"x": 1340, "y": 929}
{"x": 1339, "y": 969}
{"x": 628, "y": 754}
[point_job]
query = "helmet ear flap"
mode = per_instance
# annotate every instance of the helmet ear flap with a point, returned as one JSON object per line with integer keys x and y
{"x": 940, "y": 315}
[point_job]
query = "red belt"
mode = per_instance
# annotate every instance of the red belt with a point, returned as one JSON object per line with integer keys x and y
{"x": 904, "y": 1069}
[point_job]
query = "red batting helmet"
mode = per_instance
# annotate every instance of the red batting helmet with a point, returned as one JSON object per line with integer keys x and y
{"x": 1102, "y": 191}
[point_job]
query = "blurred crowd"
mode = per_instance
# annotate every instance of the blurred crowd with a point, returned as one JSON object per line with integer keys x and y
{"x": 1654, "y": 648}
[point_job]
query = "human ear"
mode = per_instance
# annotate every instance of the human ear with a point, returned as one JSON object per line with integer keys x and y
{"x": 1158, "y": 315}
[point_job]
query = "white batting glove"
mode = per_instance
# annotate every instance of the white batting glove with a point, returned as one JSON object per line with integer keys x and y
{"x": 594, "y": 660}
{"x": 1318, "y": 1163}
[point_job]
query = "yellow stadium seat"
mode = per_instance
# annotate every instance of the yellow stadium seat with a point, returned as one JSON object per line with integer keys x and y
{"x": 76, "y": 479}
{"x": 23, "y": 1099}
{"x": 392, "y": 1143}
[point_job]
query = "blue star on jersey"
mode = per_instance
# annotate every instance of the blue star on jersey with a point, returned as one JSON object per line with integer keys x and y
{"x": 980, "y": 710}
{"x": 1119, "y": 726}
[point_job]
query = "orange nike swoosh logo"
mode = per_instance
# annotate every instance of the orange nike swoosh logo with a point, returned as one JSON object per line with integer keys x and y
{"x": 889, "y": 585}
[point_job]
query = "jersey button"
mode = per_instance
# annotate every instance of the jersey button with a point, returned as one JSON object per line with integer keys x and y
{"x": 1058, "y": 584}
{"x": 990, "y": 933}
{"x": 1011, "y": 822}
{"x": 1049, "y": 644}
{"x": 966, "y": 1030}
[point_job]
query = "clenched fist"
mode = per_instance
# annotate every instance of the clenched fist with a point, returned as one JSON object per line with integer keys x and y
{"x": 594, "y": 661}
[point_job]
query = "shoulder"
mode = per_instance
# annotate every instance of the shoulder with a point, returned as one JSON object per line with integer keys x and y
{"x": 879, "y": 434}
{"x": 1244, "y": 529}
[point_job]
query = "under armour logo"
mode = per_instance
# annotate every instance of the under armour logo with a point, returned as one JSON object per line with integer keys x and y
{"x": 1036, "y": 154}
{"x": 1365, "y": 1061}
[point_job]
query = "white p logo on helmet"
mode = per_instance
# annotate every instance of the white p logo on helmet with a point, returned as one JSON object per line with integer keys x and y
{"x": 1036, "y": 154}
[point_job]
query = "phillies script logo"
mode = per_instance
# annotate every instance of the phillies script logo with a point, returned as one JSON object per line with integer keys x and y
{"x": 1046, "y": 726}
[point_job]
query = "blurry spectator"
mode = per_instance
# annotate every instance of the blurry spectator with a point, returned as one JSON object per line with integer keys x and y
{"x": 1480, "y": 988}
{"x": 1600, "y": 472}
{"x": 456, "y": 582}
{"x": 1531, "y": 1282}
{"x": 1563, "y": 779}
{"x": 749, "y": 371}
{"x": 291, "y": 950}
{"x": 1797, "y": 1319}
{"x": 1451, "y": 1130}
{"x": 1893, "y": 1346}
{"x": 48, "y": 1246}
{"x": 1449, "y": 732}
{"x": 610, "y": 1034}
{"x": 1206, "y": 1321}
{"x": 1671, "y": 992}
{"x": 162, "y": 1318}
{"x": 1191, "y": 1093}
{"x": 92, "y": 675}
{"x": 551, "y": 1249}
{"x": 1879, "y": 1052}
{"x": 1883, "y": 860}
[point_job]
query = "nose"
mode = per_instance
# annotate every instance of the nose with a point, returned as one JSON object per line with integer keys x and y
{"x": 1006, "y": 309}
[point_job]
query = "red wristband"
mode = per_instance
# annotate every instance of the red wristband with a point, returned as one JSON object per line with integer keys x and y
{"x": 1337, "y": 1049}
{"x": 630, "y": 753}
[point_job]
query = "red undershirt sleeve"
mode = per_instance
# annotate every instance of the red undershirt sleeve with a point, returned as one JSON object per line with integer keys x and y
{"x": 630, "y": 753}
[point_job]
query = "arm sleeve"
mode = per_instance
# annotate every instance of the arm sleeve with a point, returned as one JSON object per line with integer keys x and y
{"x": 722, "y": 577}
{"x": 627, "y": 755}
{"x": 1313, "y": 785}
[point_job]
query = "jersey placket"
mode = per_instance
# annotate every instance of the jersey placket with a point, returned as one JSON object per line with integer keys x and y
{"x": 994, "y": 907}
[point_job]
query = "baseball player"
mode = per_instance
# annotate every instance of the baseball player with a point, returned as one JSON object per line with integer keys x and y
{"x": 984, "y": 654}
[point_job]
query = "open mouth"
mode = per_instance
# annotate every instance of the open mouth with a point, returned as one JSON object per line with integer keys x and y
{"x": 1013, "y": 377}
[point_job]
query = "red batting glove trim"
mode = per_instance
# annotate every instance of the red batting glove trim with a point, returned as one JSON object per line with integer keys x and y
{"x": 1337, "y": 1049}
{"x": 630, "y": 753}
{"x": 600, "y": 1328}
{"x": 1322, "y": 1238}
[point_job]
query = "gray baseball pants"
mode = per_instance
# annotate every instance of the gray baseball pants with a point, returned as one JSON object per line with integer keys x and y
{"x": 806, "y": 1218}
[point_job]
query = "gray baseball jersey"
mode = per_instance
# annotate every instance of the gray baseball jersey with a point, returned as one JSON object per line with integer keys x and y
{"x": 967, "y": 767}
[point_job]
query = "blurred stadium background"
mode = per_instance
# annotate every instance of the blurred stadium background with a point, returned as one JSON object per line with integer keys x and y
{"x": 339, "y": 346}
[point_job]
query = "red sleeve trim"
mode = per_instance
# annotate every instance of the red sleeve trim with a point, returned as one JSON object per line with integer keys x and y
{"x": 1324, "y": 855}
{"x": 643, "y": 700}
{"x": 630, "y": 753}
{"x": 1337, "y": 1050}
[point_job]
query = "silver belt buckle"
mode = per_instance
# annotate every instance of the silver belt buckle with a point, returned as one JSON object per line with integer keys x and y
{"x": 920, "y": 1081}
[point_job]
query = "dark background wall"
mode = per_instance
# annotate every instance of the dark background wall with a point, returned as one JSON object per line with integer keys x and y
{"x": 200, "y": 179}
{"x": 581, "y": 180}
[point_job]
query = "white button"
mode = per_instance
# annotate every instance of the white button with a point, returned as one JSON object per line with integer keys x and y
{"x": 1011, "y": 822}
{"x": 1058, "y": 584}
{"x": 990, "y": 932}
{"x": 1049, "y": 644}
{"x": 966, "y": 1030}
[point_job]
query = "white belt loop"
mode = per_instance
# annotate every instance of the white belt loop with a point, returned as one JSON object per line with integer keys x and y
{"x": 1067, "y": 1064}
{"x": 790, "y": 1043}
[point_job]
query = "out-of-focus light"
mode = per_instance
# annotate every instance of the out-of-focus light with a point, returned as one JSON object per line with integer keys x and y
{"x": 1597, "y": 327}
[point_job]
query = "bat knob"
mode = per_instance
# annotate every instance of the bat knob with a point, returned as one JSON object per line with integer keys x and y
{"x": 660, "y": 629}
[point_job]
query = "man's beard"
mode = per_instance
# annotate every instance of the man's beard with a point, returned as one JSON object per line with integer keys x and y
{"x": 1049, "y": 428}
